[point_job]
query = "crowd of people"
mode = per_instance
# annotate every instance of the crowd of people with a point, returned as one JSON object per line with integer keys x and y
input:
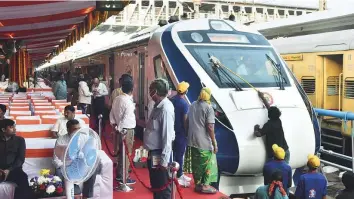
{"x": 172, "y": 128}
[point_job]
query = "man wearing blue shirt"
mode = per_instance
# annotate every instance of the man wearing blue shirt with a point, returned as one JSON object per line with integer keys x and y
{"x": 180, "y": 143}
{"x": 312, "y": 185}
{"x": 60, "y": 88}
{"x": 278, "y": 164}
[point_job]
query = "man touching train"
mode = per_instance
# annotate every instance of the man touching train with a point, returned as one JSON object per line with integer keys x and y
{"x": 273, "y": 130}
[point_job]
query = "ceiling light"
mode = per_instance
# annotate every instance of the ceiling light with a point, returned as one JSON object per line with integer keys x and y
{"x": 88, "y": 10}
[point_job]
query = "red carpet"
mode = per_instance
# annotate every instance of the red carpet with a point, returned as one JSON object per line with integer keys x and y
{"x": 140, "y": 192}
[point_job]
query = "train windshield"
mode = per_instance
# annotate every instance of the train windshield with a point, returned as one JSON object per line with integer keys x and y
{"x": 250, "y": 63}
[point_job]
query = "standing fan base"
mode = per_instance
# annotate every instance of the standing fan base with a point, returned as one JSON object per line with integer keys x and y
{"x": 123, "y": 188}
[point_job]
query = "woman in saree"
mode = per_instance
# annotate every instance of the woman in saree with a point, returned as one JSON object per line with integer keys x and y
{"x": 202, "y": 143}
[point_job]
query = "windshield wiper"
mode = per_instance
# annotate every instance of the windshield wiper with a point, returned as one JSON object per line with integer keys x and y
{"x": 218, "y": 65}
{"x": 279, "y": 71}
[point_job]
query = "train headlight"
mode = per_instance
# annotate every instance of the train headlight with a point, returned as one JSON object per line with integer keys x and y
{"x": 197, "y": 37}
{"x": 220, "y": 25}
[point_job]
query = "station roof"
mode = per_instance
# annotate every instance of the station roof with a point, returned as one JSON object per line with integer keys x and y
{"x": 98, "y": 41}
{"x": 281, "y": 3}
{"x": 323, "y": 42}
{"x": 313, "y": 23}
{"x": 41, "y": 25}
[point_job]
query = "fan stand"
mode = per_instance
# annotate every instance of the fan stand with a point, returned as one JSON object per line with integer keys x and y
{"x": 124, "y": 187}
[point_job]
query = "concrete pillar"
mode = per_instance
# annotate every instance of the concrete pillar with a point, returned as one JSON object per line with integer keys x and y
{"x": 106, "y": 67}
{"x": 323, "y": 5}
{"x": 196, "y": 8}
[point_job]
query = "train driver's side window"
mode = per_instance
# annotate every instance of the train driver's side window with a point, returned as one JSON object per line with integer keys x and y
{"x": 161, "y": 72}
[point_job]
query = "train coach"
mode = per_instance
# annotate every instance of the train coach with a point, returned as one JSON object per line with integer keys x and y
{"x": 234, "y": 61}
{"x": 324, "y": 64}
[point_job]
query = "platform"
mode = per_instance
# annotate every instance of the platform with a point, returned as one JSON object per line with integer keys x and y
{"x": 140, "y": 192}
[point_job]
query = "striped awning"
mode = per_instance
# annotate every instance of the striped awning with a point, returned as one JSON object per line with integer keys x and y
{"x": 41, "y": 25}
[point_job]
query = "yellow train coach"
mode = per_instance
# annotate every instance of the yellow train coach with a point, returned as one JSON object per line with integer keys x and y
{"x": 324, "y": 65}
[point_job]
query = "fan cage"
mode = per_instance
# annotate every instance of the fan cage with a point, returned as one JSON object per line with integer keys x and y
{"x": 94, "y": 167}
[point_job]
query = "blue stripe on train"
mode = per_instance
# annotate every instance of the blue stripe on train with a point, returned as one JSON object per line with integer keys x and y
{"x": 317, "y": 130}
{"x": 228, "y": 155}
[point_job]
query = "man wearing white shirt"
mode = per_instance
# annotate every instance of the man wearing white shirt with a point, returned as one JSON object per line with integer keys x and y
{"x": 58, "y": 157}
{"x": 122, "y": 117}
{"x": 59, "y": 128}
{"x": 84, "y": 95}
{"x": 99, "y": 91}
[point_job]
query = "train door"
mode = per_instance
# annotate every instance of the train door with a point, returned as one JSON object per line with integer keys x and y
{"x": 348, "y": 83}
{"x": 348, "y": 89}
{"x": 158, "y": 70}
{"x": 303, "y": 67}
{"x": 333, "y": 75}
{"x": 141, "y": 85}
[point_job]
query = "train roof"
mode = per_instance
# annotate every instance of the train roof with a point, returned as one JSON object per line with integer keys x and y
{"x": 313, "y": 23}
{"x": 103, "y": 40}
{"x": 126, "y": 40}
{"x": 144, "y": 34}
{"x": 282, "y": 3}
{"x": 324, "y": 42}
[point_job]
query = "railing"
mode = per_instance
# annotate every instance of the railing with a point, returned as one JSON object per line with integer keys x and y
{"x": 348, "y": 116}
{"x": 145, "y": 13}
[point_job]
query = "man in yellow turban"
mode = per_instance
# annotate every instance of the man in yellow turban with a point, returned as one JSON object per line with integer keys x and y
{"x": 205, "y": 95}
{"x": 278, "y": 163}
{"x": 312, "y": 184}
{"x": 180, "y": 143}
{"x": 202, "y": 143}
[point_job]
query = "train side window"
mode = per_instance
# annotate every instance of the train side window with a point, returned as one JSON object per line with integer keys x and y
{"x": 308, "y": 84}
{"x": 349, "y": 88}
{"x": 333, "y": 85}
{"x": 161, "y": 72}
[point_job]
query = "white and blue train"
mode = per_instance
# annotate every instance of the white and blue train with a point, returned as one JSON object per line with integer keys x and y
{"x": 181, "y": 51}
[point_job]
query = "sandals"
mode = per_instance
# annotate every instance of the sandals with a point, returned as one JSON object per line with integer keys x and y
{"x": 206, "y": 189}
